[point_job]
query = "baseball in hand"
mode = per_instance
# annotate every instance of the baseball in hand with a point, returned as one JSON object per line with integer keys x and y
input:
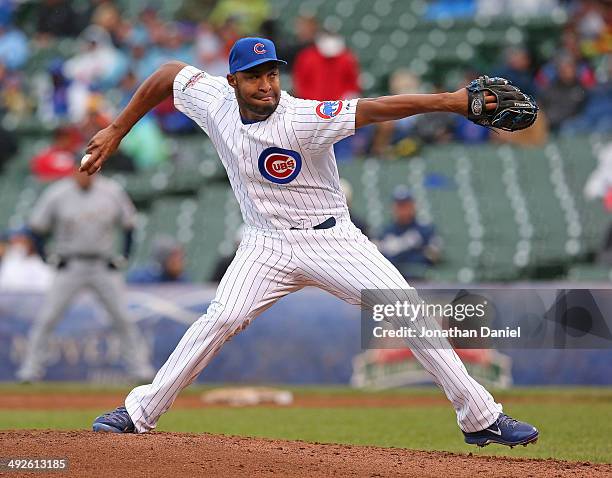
{"x": 85, "y": 159}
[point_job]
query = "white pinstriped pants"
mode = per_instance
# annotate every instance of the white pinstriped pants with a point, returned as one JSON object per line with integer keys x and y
{"x": 269, "y": 265}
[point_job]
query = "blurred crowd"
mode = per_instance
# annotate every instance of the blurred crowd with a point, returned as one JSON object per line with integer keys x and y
{"x": 70, "y": 66}
{"x": 79, "y": 62}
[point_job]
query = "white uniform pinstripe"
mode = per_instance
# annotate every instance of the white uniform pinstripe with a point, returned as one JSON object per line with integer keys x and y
{"x": 274, "y": 260}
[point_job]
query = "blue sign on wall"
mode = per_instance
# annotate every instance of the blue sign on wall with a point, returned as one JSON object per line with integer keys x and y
{"x": 307, "y": 337}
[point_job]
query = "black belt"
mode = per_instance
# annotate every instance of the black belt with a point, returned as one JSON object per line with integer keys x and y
{"x": 327, "y": 224}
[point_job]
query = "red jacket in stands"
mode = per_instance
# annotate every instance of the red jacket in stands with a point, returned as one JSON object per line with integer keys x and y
{"x": 316, "y": 77}
{"x": 52, "y": 163}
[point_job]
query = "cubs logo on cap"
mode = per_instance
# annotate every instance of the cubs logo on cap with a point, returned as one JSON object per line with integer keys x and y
{"x": 328, "y": 109}
{"x": 250, "y": 52}
{"x": 278, "y": 165}
{"x": 259, "y": 48}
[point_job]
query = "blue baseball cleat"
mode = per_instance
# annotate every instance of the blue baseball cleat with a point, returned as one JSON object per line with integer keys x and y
{"x": 117, "y": 421}
{"x": 505, "y": 431}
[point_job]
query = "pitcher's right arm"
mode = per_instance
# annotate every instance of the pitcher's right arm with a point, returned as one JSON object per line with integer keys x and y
{"x": 153, "y": 91}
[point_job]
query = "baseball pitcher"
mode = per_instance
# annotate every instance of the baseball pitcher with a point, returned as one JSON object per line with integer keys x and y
{"x": 278, "y": 153}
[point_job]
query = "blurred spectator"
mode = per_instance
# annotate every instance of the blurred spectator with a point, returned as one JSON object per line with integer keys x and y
{"x": 210, "y": 53}
{"x": 167, "y": 264}
{"x": 172, "y": 120}
{"x": 592, "y": 21}
{"x": 173, "y": 45}
{"x": 246, "y": 15}
{"x": 411, "y": 246}
{"x": 141, "y": 61}
{"x": 13, "y": 99}
{"x": 403, "y": 137}
{"x": 517, "y": 68}
{"x": 306, "y": 30}
{"x": 150, "y": 20}
{"x": 22, "y": 269}
{"x": 56, "y": 18}
{"x": 153, "y": 42}
{"x": 14, "y": 50}
{"x": 107, "y": 16}
{"x": 228, "y": 34}
{"x": 327, "y": 70}
{"x": 570, "y": 48}
{"x": 52, "y": 93}
{"x": 57, "y": 161}
{"x": 347, "y": 189}
{"x": 597, "y": 113}
{"x": 98, "y": 65}
{"x": 565, "y": 97}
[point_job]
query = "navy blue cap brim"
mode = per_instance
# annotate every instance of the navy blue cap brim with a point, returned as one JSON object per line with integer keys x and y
{"x": 258, "y": 62}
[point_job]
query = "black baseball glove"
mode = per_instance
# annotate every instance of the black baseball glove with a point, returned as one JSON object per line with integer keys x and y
{"x": 515, "y": 110}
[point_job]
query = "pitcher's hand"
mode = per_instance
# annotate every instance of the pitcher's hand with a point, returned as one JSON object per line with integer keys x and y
{"x": 104, "y": 143}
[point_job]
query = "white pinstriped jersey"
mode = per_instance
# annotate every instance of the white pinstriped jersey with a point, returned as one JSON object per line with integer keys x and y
{"x": 282, "y": 170}
{"x": 284, "y": 175}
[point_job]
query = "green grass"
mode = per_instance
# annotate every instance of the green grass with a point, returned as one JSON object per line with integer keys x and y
{"x": 574, "y": 422}
{"x": 558, "y": 393}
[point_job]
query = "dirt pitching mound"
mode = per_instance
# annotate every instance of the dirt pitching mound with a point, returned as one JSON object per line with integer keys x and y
{"x": 161, "y": 454}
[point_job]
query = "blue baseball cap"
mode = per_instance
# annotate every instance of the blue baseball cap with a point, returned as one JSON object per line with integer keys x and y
{"x": 401, "y": 193}
{"x": 252, "y": 51}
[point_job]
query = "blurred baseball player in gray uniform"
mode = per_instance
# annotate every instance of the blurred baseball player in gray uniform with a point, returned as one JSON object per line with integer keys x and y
{"x": 83, "y": 213}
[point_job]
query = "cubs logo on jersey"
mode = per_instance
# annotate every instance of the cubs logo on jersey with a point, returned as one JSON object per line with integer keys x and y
{"x": 278, "y": 165}
{"x": 328, "y": 109}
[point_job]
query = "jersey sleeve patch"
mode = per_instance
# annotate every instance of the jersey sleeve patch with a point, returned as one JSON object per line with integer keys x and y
{"x": 328, "y": 109}
{"x": 193, "y": 80}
